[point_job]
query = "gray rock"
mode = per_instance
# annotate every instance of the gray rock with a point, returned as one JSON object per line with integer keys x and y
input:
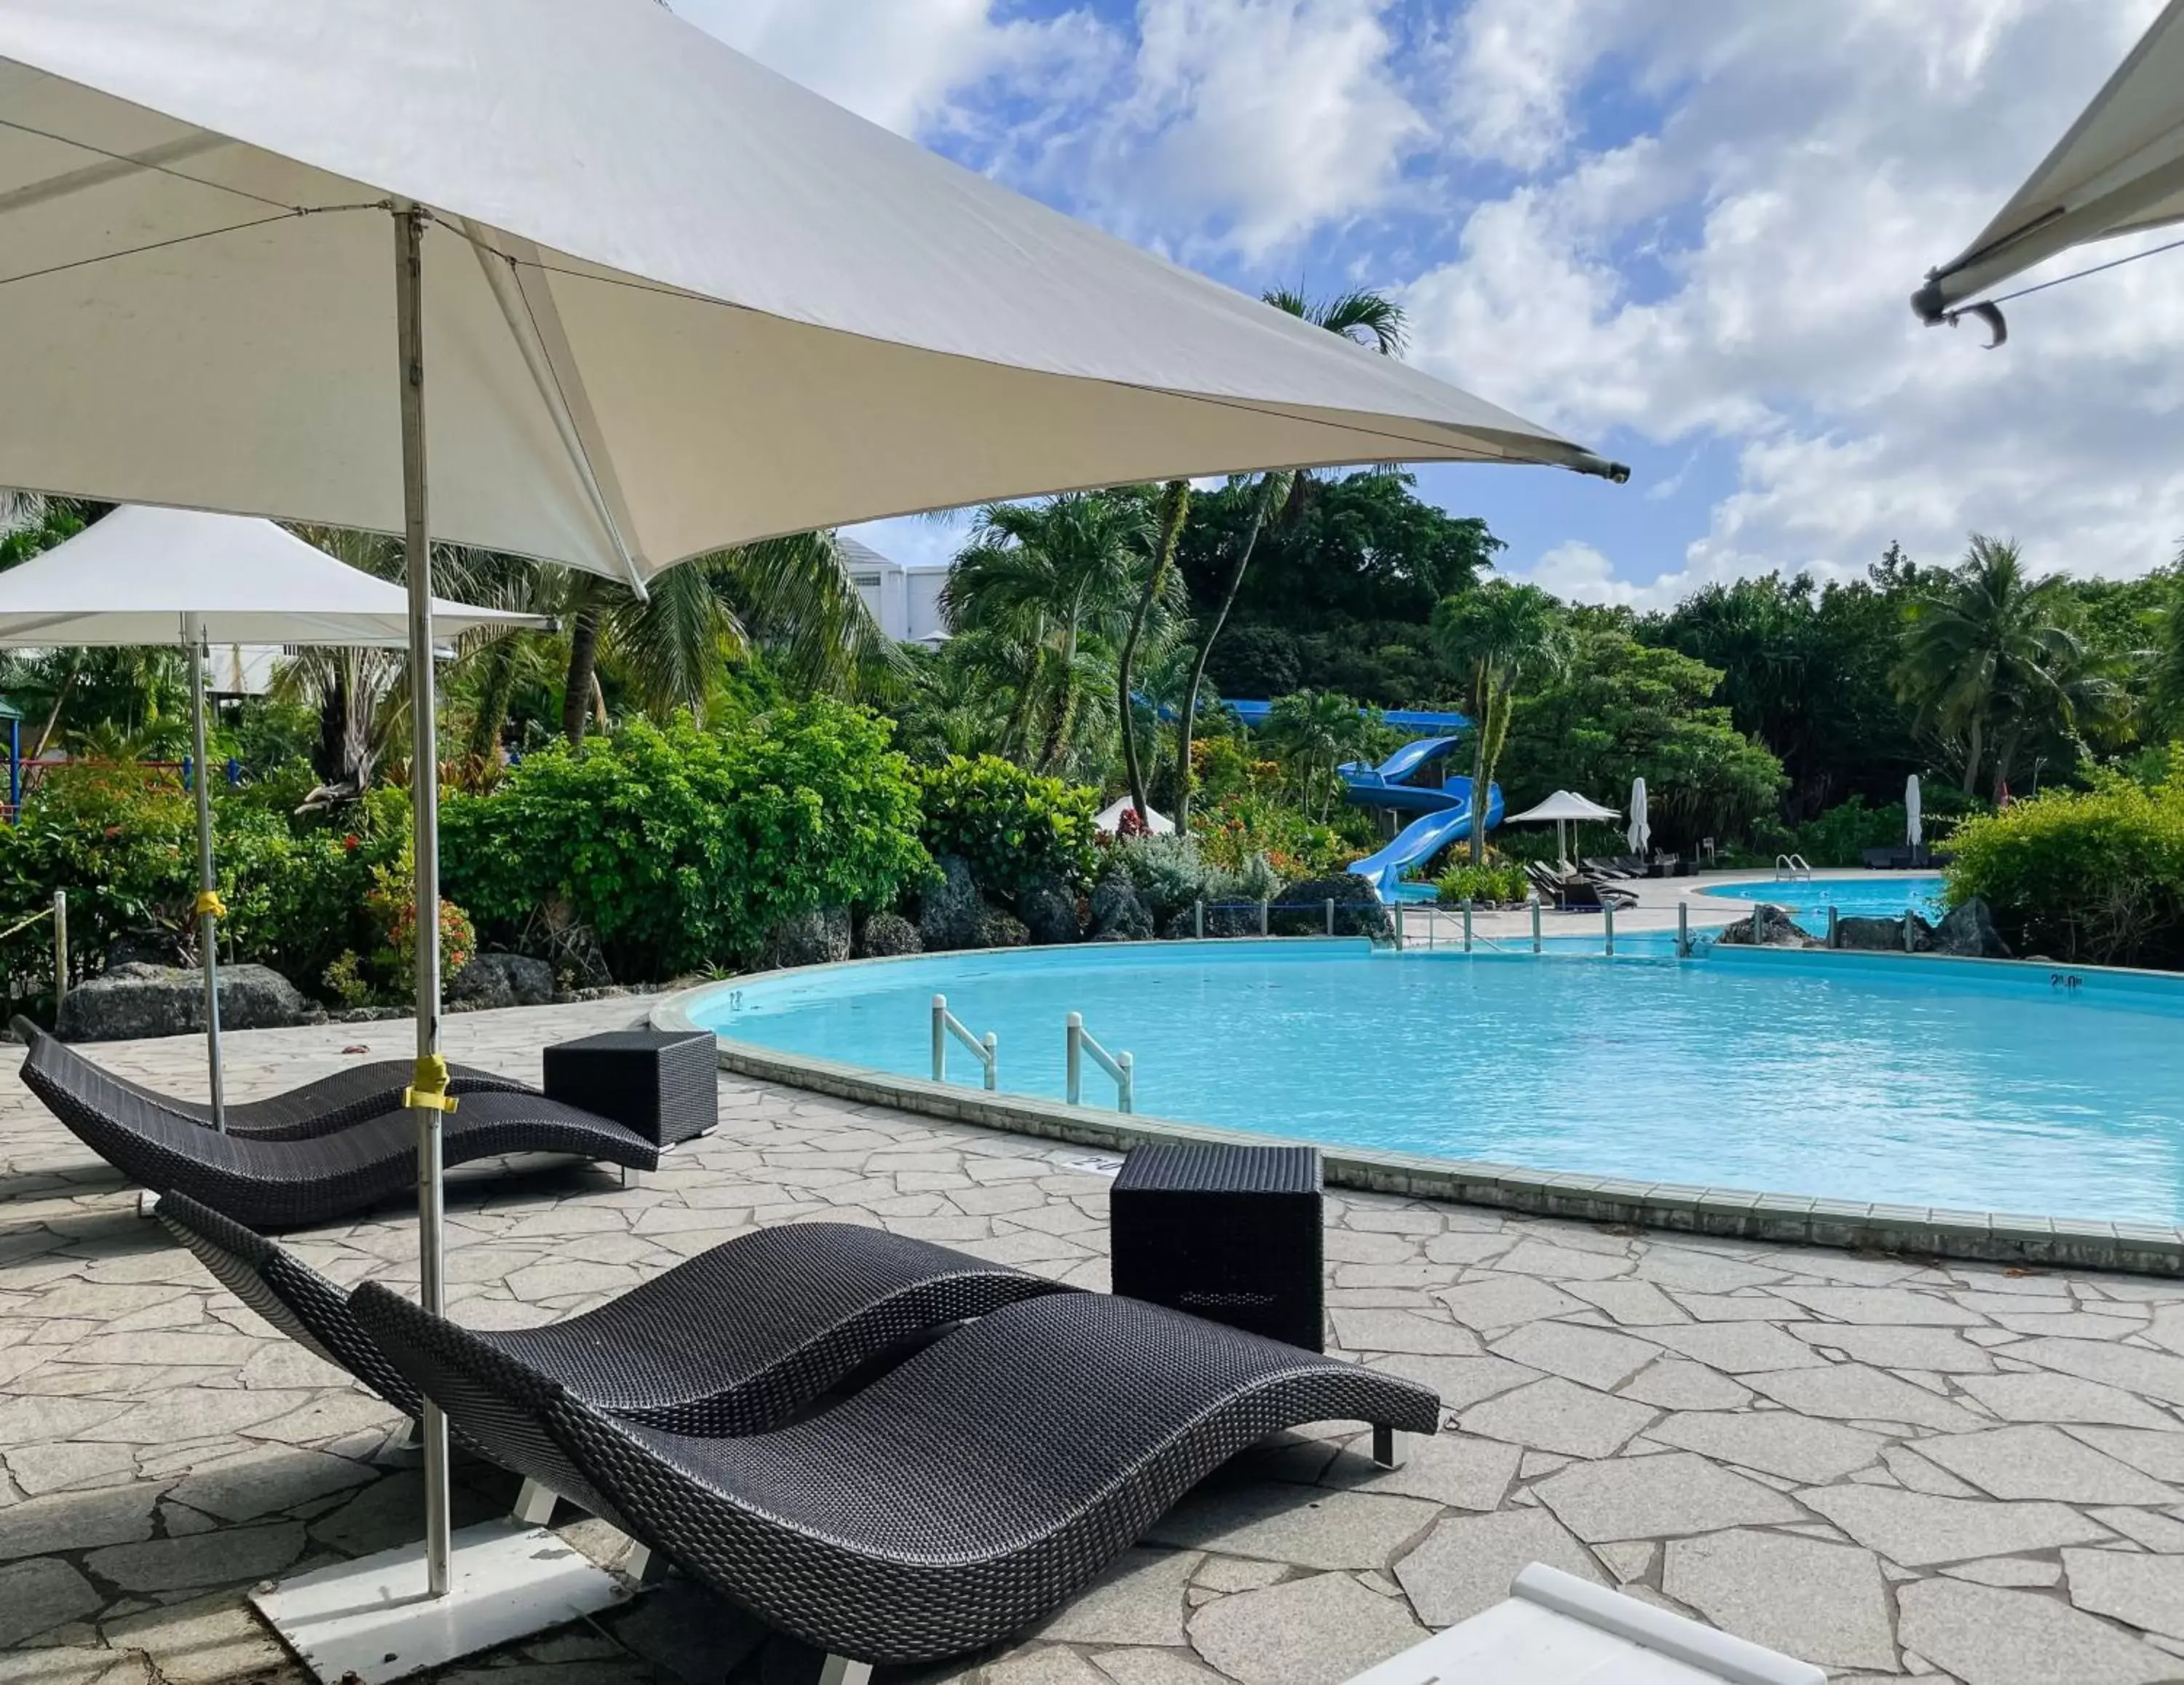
{"x": 819, "y": 937}
{"x": 1049, "y": 911}
{"x": 999, "y": 929}
{"x": 1967, "y": 931}
{"x": 1315, "y": 1631}
{"x": 1870, "y": 935}
{"x": 951, "y": 910}
{"x": 1117, "y": 909}
{"x": 1836, "y": 1615}
{"x": 200, "y": 1558}
{"x": 890, "y": 933}
{"x": 1987, "y": 1637}
{"x": 1302, "y": 909}
{"x": 1776, "y": 929}
{"x": 40, "y": 1593}
{"x": 133, "y": 1000}
{"x": 499, "y": 980}
{"x": 1466, "y": 1563}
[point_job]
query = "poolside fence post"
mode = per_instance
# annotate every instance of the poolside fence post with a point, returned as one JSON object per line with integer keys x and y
{"x": 1832, "y": 942}
{"x": 1330, "y": 915}
{"x": 60, "y": 951}
{"x": 1757, "y": 927}
{"x": 1399, "y": 927}
{"x": 1682, "y": 930}
{"x": 1910, "y": 933}
{"x": 1536, "y": 925}
{"x": 1126, "y": 1085}
{"x": 1073, "y": 1041}
{"x": 1467, "y": 925}
{"x": 940, "y": 1038}
{"x": 1198, "y": 919}
{"x": 1262, "y": 915}
{"x": 993, "y": 1061}
{"x": 1607, "y": 912}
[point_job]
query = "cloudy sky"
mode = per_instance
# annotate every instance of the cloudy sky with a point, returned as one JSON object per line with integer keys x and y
{"x": 1681, "y": 231}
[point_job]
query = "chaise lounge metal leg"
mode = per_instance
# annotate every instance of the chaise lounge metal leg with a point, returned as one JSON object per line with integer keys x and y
{"x": 534, "y": 1505}
{"x": 841, "y": 1671}
{"x": 1391, "y": 1449}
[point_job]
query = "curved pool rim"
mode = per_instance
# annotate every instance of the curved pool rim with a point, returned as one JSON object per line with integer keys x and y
{"x": 1725, "y": 1212}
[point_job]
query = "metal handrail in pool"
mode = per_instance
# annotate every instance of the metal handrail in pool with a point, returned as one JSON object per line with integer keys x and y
{"x": 987, "y": 1047}
{"x": 1122, "y": 1066}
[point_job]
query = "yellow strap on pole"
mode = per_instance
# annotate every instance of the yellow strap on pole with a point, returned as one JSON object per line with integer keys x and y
{"x": 429, "y": 1086}
{"x": 208, "y": 902}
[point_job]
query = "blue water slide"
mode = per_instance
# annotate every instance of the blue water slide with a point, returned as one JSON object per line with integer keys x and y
{"x": 1384, "y": 786}
{"x": 1426, "y": 837}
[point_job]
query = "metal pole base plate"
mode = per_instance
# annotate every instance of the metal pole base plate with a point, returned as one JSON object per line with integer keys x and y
{"x": 372, "y": 1620}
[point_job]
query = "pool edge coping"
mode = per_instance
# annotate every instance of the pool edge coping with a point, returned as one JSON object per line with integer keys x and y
{"x": 1722, "y": 1213}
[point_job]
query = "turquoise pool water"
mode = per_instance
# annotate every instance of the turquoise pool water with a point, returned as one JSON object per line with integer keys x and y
{"x": 1929, "y": 1082}
{"x": 1809, "y": 898}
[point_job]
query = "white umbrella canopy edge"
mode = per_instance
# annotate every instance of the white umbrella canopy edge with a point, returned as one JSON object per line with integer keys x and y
{"x": 1640, "y": 834}
{"x": 931, "y": 339}
{"x": 2118, "y": 169}
{"x": 1913, "y": 813}
{"x": 1563, "y": 809}
{"x": 145, "y": 577}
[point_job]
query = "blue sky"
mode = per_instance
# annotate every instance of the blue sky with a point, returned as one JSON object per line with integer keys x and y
{"x": 1681, "y": 231}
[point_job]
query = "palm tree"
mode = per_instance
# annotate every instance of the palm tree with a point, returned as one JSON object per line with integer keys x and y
{"x": 1174, "y": 510}
{"x": 1316, "y": 731}
{"x": 1989, "y": 652}
{"x": 1365, "y": 318}
{"x": 1042, "y": 578}
{"x": 1495, "y": 637}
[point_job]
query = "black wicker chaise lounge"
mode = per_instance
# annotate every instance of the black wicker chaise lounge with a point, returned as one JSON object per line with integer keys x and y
{"x": 321, "y": 1107}
{"x": 737, "y": 1339}
{"x": 283, "y": 1183}
{"x": 953, "y": 1501}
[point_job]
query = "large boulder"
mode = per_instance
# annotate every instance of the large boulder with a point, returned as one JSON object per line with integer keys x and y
{"x": 498, "y": 979}
{"x": 1118, "y": 912}
{"x": 1302, "y": 910}
{"x": 1869, "y": 934}
{"x": 1049, "y": 911}
{"x": 1776, "y": 929}
{"x": 999, "y": 929}
{"x": 886, "y": 934}
{"x": 133, "y": 999}
{"x": 819, "y": 937}
{"x": 951, "y": 911}
{"x": 1967, "y": 932}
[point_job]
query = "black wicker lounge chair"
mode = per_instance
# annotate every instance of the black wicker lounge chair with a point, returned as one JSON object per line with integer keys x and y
{"x": 278, "y": 1184}
{"x": 333, "y": 1102}
{"x": 955, "y": 1500}
{"x": 732, "y": 1340}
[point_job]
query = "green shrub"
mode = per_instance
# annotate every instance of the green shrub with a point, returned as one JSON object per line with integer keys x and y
{"x": 2094, "y": 875}
{"x": 1015, "y": 829}
{"x": 1230, "y": 833}
{"x": 681, "y": 848}
{"x": 1171, "y": 874}
{"x": 1490, "y": 882}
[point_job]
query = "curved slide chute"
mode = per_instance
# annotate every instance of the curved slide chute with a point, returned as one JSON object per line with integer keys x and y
{"x": 1447, "y": 823}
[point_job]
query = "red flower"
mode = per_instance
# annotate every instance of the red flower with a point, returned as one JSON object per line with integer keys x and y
{"x": 349, "y": 842}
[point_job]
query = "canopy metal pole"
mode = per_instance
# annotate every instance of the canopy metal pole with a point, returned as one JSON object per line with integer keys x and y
{"x": 428, "y": 1089}
{"x": 208, "y": 907}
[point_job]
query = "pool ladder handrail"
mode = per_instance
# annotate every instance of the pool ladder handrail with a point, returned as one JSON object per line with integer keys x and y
{"x": 986, "y": 1048}
{"x": 1122, "y": 1066}
{"x": 1792, "y": 866}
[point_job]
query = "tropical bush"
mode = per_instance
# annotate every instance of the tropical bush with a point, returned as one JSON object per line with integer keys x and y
{"x": 679, "y": 847}
{"x": 1494, "y": 882}
{"x": 2094, "y": 875}
{"x": 1253, "y": 823}
{"x": 1014, "y": 828}
{"x": 1171, "y": 873}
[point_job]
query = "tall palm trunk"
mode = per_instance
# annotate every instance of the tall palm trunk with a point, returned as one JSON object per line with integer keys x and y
{"x": 1064, "y": 716}
{"x": 60, "y": 696}
{"x": 1175, "y": 506}
{"x": 495, "y": 690}
{"x": 583, "y": 665}
{"x": 1482, "y": 705}
{"x": 1272, "y": 490}
{"x": 1975, "y": 753}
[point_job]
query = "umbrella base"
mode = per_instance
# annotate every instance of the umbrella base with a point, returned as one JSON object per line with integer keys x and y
{"x": 372, "y": 1618}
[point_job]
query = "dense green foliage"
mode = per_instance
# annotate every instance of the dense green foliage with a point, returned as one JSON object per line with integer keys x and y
{"x": 1484, "y": 885}
{"x": 678, "y": 847}
{"x": 2094, "y": 874}
{"x": 1016, "y": 830}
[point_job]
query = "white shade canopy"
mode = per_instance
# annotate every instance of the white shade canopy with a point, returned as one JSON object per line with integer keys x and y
{"x": 2119, "y": 169}
{"x": 671, "y": 301}
{"x": 1109, "y": 818}
{"x": 142, "y": 576}
{"x": 1562, "y": 804}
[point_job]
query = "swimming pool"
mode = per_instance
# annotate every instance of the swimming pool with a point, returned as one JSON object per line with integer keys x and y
{"x": 1929, "y": 1082}
{"x": 1809, "y": 898}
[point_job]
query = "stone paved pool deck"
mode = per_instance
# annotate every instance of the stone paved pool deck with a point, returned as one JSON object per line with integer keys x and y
{"x": 1899, "y": 1469}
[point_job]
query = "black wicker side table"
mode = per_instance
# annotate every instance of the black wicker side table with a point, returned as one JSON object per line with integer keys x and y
{"x": 1228, "y": 1233}
{"x": 663, "y": 1084}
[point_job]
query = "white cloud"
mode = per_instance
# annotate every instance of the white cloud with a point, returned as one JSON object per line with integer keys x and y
{"x": 1739, "y": 272}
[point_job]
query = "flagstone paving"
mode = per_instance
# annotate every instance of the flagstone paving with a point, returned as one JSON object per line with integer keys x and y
{"x": 1902, "y": 1470}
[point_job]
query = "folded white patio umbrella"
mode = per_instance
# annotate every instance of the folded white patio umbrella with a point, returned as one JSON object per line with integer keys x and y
{"x": 143, "y": 576}
{"x": 1914, "y": 828}
{"x": 644, "y": 297}
{"x": 1564, "y": 808}
{"x": 2119, "y": 170}
{"x": 1640, "y": 834}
